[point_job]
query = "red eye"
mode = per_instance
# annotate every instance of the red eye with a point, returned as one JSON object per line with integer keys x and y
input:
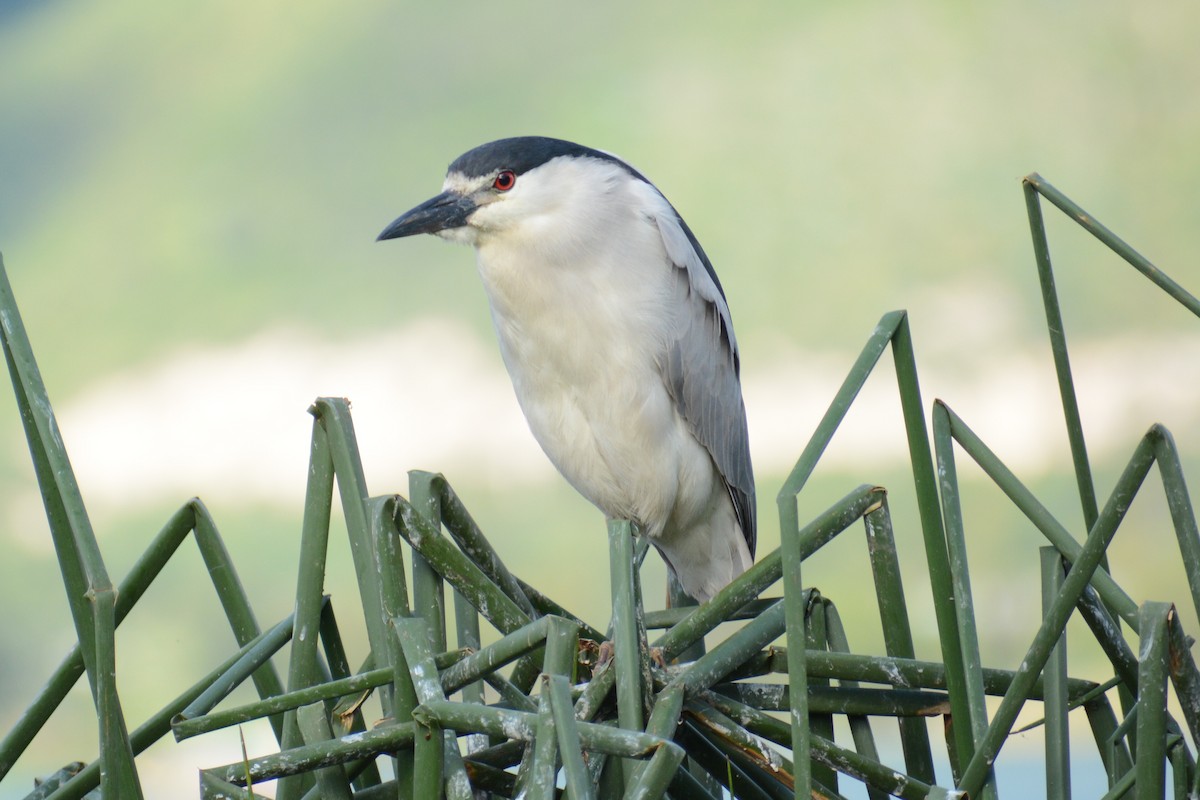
{"x": 505, "y": 180}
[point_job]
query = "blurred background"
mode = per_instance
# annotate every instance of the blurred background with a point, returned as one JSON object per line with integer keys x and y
{"x": 189, "y": 197}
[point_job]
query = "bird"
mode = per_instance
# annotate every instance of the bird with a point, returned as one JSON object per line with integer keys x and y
{"x": 618, "y": 339}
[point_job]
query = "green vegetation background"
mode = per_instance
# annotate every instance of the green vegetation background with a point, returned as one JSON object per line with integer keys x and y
{"x": 174, "y": 176}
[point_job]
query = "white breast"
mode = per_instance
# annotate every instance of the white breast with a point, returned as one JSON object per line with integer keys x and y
{"x": 585, "y": 300}
{"x": 582, "y": 329}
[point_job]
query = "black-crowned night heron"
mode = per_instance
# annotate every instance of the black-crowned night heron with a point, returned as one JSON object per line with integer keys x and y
{"x": 618, "y": 340}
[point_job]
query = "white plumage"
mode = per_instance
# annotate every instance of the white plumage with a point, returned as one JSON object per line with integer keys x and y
{"x": 618, "y": 341}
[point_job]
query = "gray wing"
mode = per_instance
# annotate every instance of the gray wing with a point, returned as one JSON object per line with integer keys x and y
{"x": 702, "y": 368}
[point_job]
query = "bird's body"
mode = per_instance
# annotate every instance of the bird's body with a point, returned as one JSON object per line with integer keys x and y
{"x": 618, "y": 341}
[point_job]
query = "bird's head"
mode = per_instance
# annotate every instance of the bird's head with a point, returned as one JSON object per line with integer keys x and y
{"x": 522, "y": 185}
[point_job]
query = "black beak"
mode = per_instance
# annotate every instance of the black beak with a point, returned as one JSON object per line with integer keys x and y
{"x": 447, "y": 210}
